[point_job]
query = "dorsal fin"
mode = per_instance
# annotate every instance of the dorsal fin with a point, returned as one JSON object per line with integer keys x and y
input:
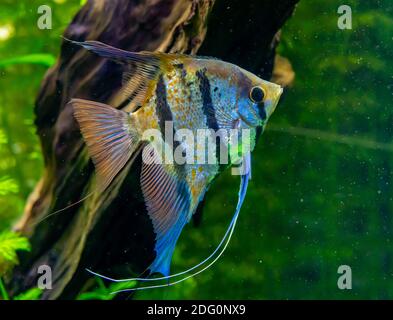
{"x": 119, "y": 55}
{"x": 139, "y": 68}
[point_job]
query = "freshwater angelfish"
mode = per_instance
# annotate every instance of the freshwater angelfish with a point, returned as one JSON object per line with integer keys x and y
{"x": 189, "y": 92}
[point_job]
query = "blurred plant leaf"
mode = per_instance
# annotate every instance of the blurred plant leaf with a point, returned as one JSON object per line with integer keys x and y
{"x": 31, "y": 294}
{"x": 6, "y": 162}
{"x": 3, "y": 292}
{"x": 8, "y": 186}
{"x": 10, "y": 242}
{"x": 3, "y": 137}
{"x": 36, "y": 58}
{"x": 106, "y": 293}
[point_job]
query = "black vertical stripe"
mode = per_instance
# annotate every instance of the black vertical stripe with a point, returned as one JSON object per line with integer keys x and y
{"x": 209, "y": 111}
{"x": 262, "y": 111}
{"x": 208, "y": 108}
{"x": 263, "y": 115}
{"x": 164, "y": 113}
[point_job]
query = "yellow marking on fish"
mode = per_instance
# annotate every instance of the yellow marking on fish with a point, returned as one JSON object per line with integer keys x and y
{"x": 194, "y": 191}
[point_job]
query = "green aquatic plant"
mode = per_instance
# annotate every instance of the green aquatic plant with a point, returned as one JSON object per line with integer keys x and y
{"x": 3, "y": 137}
{"x": 8, "y": 186}
{"x": 31, "y": 294}
{"x": 102, "y": 292}
{"x": 38, "y": 58}
{"x": 10, "y": 242}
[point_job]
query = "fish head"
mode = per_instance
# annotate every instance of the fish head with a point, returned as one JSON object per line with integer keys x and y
{"x": 256, "y": 99}
{"x": 240, "y": 100}
{"x": 248, "y": 99}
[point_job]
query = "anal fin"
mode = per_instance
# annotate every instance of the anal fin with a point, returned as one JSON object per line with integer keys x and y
{"x": 167, "y": 199}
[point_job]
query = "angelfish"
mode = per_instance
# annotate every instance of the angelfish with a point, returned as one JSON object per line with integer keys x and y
{"x": 190, "y": 92}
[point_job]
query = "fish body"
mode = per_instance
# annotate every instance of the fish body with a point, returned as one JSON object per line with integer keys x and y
{"x": 187, "y": 94}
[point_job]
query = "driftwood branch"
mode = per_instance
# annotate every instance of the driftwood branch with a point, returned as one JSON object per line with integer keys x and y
{"x": 111, "y": 232}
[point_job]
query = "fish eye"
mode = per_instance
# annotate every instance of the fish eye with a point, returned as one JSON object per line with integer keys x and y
{"x": 257, "y": 94}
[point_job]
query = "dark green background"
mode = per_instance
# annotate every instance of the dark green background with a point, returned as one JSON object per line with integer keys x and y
{"x": 321, "y": 193}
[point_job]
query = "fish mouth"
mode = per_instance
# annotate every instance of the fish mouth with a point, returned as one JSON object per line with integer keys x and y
{"x": 272, "y": 103}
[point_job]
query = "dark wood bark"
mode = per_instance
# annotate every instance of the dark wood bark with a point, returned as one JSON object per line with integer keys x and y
{"x": 110, "y": 232}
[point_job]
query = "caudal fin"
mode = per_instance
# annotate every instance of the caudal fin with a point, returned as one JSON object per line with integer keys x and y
{"x": 109, "y": 136}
